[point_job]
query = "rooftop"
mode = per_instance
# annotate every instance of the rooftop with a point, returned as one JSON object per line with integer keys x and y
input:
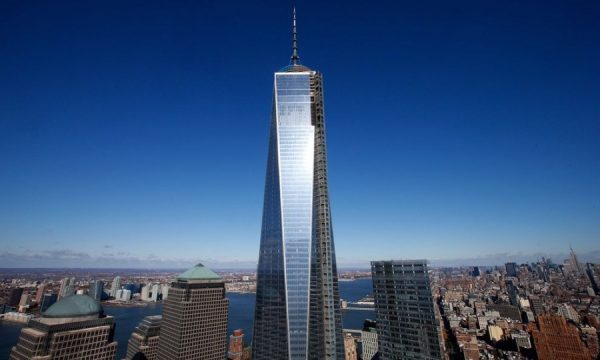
{"x": 74, "y": 306}
{"x": 198, "y": 272}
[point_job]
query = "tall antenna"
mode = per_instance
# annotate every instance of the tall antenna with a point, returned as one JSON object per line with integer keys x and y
{"x": 295, "y": 57}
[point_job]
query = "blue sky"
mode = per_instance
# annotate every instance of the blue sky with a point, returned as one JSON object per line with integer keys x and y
{"x": 135, "y": 133}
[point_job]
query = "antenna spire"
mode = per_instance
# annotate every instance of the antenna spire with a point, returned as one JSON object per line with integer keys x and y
{"x": 295, "y": 57}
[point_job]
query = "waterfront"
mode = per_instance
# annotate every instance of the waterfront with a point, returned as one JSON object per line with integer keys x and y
{"x": 241, "y": 315}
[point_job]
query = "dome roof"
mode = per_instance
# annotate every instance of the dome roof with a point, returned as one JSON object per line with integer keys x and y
{"x": 74, "y": 306}
{"x": 198, "y": 272}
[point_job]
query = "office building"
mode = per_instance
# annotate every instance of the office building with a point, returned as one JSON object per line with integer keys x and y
{"x": 145, "y": 293}
{"x": 369, "y": 339}
{"x": 144, "y": 339}
{"x": 47, "y": 301}
{"x": 164, "y": 291}
{"x": 406, "y": 324}
{"x": 554, "y": 338}
{"x": 14, "y": 297}
{"x": 297, "y": 312}
{"x": 74, "y": 328}
{"x": 39, "y": 292}
{"x": 511, "y": 269}
{"x": 116, "y": 285}
{"x": 194, "y": 323}
{"x": 125, "y": 294}
{"x": 96, "y": 289}
{"x": 154, "y": 295}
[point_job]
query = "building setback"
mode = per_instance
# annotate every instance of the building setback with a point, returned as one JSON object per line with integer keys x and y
{"x": 194, "y": 322}
{"x": 74, "y": 328}
{"x": 297, "y": 312}
{"x": 144, "y": 339}
{"x": 406, "y": 324}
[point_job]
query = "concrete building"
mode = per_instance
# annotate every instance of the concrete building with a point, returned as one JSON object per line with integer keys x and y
{"x": 350, "y": 348}
{"x": 368, "y": 337}
{"x": 144, "y": 339}
{"x": 406, "y": 323}
{"x": 39, "y": 292}
{"x": 145, "y": 292}
{"x": 236, "y": 345}
{"x": 154, "y": 295}
{"x": 126, "y": 295}
{"x": 74, "y": 328}
{"x": 194, "y": 324}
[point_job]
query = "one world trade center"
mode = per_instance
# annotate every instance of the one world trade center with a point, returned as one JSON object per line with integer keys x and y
{"x": 297, "y": 313}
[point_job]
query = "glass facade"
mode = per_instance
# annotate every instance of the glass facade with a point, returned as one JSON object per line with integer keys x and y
{"x": 407, "y": 327}
{"x": 297, "y": 300}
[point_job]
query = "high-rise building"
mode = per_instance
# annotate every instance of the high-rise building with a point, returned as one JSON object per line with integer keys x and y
{"x": 554, "y": 338}
{"x": 63, "y": 284}
{"x": 406, "y": 324}
{"x": 369, "y": 339}
{"x": 511, "y": 269}
{"x": 96, "y": 289}
{"x": 297, "y": 312}
{"x": 39, "y": 293}
{"x": 145, "y": 293}
{"x": 194, "y": 323}
{"x": 14, "y": 296}
{"x": 144, "y": 339}
{"x": 73, "y": 328}
{"x": 116, "y": 285}
{"x": 125, "y": 294}
{"x": 575, "y": 264}
{"x": 154, "y": 296}
{"x": 47, "y": 301}
{"x": 164, "y": 291}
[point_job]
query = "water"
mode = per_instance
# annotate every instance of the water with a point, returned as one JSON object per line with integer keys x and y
{"x": 241, "y": 316}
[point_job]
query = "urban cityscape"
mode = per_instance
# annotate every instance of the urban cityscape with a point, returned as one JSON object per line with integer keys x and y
{"x": 300, "y": 295}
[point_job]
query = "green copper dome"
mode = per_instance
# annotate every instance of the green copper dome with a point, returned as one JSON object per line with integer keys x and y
{"x": 198, "y": 272}
{"x": 74, "y": 306}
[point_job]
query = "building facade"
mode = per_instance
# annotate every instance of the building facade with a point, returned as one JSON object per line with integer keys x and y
{"x": 406, "y": 324}
{"x": 297, "y": 312}
{"x": 194, "y": 322}
{"x": 144, "y": 339}
{"x": 369, "y": 339}
{"x": 96, "y": 289}
{"x": 74, "y": 328}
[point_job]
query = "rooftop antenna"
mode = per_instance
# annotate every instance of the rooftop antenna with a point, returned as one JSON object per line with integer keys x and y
{"x": 295, "y": 57}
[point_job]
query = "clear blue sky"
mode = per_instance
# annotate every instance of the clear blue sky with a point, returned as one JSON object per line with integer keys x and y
{"x": 135, "y": 133}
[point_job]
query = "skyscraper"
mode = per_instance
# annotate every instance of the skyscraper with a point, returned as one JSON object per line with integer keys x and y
{"x": 96, "y": 289}
{"x": 194, "y": 322}
{"x": 144, "y": 339}
{"x": 73, "y": 328}
{"x": 406, "y": 325}
{"x": 116, "y": 285}
{"x": 297, "y": 300}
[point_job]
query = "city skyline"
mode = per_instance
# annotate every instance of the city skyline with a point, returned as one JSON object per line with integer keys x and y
{"x": 113, "y": 136}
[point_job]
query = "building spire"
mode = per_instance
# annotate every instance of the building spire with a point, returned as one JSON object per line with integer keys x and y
{"x": 295, "y": 57}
